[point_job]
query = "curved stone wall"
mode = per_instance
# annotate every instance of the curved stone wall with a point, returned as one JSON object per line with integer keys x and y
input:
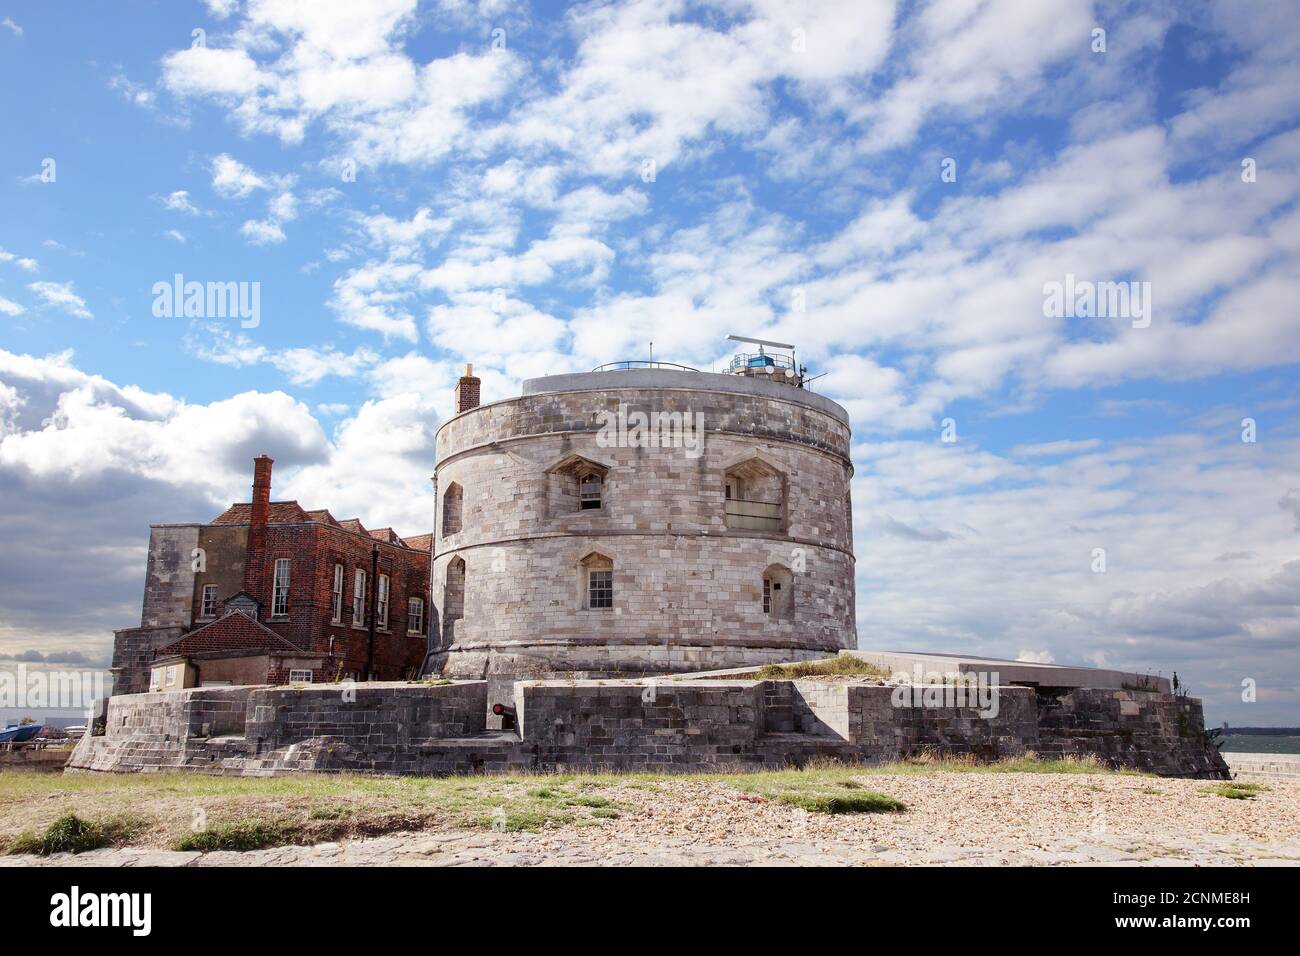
{"x": 688, "y": 589}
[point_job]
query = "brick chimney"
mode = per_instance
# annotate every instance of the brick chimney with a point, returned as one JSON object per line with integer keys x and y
{"x": 467, "y": 390}
{"x": 259, "y": 515}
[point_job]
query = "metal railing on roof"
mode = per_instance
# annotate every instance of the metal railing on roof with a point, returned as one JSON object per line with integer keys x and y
{"x": 641, "y": 363}
{"x": 756, "y": 360}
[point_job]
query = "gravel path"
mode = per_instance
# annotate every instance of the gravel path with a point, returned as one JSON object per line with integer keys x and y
{"x": 952, "y": 818}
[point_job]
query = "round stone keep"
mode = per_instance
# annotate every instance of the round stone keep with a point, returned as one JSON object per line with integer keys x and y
{"x": 641, "y": 522}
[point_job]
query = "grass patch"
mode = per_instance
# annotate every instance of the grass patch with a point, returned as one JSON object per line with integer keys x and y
{"x": 240, "y": 835}
{"x": 1235, "y": 791}
{"x": 842, "y": 666}
{"x": 71, "y": 834}
{"x": 596, "y": 802}
{"x": 522, "y": 819}
{"x": 823, "y": 790}
{"x": 866, "y": 801}
{"x": 328, "y": 813}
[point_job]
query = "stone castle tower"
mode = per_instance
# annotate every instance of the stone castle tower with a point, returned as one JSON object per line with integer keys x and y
{"x": 642, "y": 521}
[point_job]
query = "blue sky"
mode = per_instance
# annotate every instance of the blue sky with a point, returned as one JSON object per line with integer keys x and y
{"x": 502, "y": 212}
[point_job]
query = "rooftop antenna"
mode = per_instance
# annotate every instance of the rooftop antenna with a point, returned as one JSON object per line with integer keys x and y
{"x": 775, "y": 345}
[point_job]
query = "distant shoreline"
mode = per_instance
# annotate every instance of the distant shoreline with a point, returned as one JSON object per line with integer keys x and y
{"x": 1249, "y": 743}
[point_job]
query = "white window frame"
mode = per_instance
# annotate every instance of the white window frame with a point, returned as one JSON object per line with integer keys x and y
{"x": 587, "y": 502}
{"x": 300, "y": 676}
{"x": 592, "y": 589}
{"x": 156, "y": 679}
{"x": 336, "y": 596}
{"x": 172, "y": 671}
{"x": 280, "y": 588}
{"x": 381, "y": 602}
{"x": 208, "y": 608}
{"x": 359, "y": 598}
{"x": 415, "y": 615}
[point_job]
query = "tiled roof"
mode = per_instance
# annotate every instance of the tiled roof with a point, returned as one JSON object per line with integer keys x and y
{"x": 420, "y": 542}
{"x": 290, "y": 512}
{"x": 282, "y": 512}
{"x": 234, "y": 632}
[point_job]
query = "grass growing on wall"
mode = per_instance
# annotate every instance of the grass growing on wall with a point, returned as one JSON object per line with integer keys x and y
{"x": 842, "y": 666}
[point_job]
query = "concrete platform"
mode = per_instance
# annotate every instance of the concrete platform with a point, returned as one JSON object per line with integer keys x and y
{"x": 1282, "y": 768}
{"x": 1013, "y": 672}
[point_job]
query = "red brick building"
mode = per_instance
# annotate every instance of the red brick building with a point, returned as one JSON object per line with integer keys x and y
{"x": 268, "y": 591}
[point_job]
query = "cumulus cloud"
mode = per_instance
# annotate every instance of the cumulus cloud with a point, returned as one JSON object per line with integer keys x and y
{"x": 120, "y": 458}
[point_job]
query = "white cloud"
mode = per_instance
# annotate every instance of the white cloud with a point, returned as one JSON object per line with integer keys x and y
{"x": 222, "y": 73}
{"x": 376, "y": 297}
{"x": 59, "y": 295}
{"x": 304, "y": 366}
{"x": 26, "y": 263}
{"x": 222, "y": 8}
{"x": 9, "y": 307}
{"x": 132, "y": 92}
{"x": 262, "y": 232}
{"x": 342, "y": 64}
{"x": 634, "y": 92}
{"x": 179, "y": 201}
{"x": 1016, "y": 544}
{"x": 12, "y": 27}
{"x": 280, "y": 209}
{"x": 1036, "y": 657}
{"x": 967, "y": 57}
{"x": 233, "y": 180}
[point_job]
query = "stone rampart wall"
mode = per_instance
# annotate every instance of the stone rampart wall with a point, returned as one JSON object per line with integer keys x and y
{"x": 623, "y": 725}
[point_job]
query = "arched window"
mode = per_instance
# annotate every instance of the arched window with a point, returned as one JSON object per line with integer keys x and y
{"x": 452, "y": 505}
{"x": 453, "y": 593}
{"x": 596, "y": 579}
{"x": 778, "y": 593}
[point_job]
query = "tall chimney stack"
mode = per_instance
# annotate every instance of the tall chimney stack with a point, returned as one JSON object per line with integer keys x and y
{"x": 467, "y": 390}
{"x": 259, "y": 516}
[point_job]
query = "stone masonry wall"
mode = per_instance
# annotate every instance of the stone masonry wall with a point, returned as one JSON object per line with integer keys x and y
{"x": 134, "y": 649}
{"x": 169, "y": 575}
{"x": 1144, "y": 730}
{"x": 687, "y": 589}
{"x": 698, "y": 725}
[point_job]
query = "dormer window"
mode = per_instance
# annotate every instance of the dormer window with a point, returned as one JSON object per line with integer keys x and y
{"x": 754, "y": 496}
{"x": 589, "y": 492}
{"x": 574, "y": 485}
